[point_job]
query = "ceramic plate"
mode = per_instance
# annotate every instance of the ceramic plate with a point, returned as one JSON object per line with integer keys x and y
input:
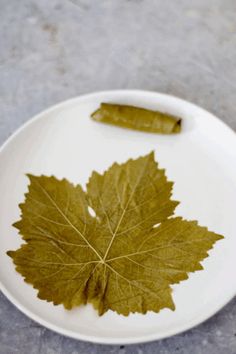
{"x": 65, "y": 142}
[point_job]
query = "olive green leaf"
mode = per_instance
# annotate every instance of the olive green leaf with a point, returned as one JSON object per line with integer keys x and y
{"x": 114, "y": 246}
{"x": 137, "y": 118}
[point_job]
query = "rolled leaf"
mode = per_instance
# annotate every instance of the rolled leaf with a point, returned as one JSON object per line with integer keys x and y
{"x": 137, "y": 118}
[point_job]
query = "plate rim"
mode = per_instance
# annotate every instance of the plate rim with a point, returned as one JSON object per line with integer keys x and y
{"x": 100, "y": 339}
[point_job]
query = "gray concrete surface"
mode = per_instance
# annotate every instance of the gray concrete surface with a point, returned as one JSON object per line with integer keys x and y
{"x": 53, "y": 50}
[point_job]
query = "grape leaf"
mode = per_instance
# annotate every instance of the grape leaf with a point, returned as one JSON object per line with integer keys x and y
{"x": 137, "y": 118}
{"x": 124, "y": 257}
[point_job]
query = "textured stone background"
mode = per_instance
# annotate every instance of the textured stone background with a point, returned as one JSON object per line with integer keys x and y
{"x": 53, "y": 50}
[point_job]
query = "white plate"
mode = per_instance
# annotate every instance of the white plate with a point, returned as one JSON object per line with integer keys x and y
{"x": 65, "y": 142}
